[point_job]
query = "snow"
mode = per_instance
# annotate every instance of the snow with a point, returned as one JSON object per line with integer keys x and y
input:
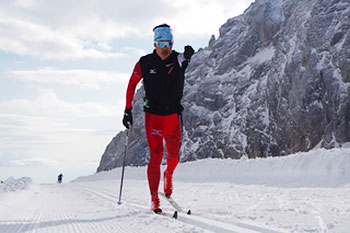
{"x": 262, "y": 56}
{"x": 303, "y": 192}
{"x": 318, "y": 104}
{"x": 276, "y": 13}
{"x": 11, "y": 184}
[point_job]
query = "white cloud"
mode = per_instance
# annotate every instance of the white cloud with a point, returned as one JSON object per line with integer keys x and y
{"x": 48, "y": 104}
{"x": 203, "y": 17}
{"x": 26, "y": 38}
{"x": 40, "y": 147}
{"x": 38, "y": 133}
{"x": 84, "y": 79}
{"x": 86, "y": 28}
{"x": 24, "y": 3}
{"x": 48, "y": 127}
{"x": 137, "y": 51}
{"x": 33, "y": 161}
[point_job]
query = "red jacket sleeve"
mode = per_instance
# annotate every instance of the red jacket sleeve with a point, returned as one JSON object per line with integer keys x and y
{"x": 134, "y": 80}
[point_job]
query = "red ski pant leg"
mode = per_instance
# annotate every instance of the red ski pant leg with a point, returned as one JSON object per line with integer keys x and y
{"x": 157, "y": 129}
{"x": 172, "y": 136}
{"x": 154, "y": 133}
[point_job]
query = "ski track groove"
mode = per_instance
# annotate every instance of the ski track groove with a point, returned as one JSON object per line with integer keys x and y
{"x": 11, "y": 225}
{"x": 196, "y": 221}
{"x": 69, "y": 219}
{"x": 36, "y": 222}
{"x": 106, "y": 228}
{"x": 53, "y": 213}
{"x": 33, "y": 221}
{"x": 57, "y": 214}
{"x": 119, "y": 227}
{"x": 65, "y": 219}
{"x": 21, "y": 227}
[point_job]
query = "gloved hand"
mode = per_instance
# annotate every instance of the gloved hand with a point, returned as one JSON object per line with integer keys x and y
{"x": 127, "y": 119}
{"x": 188, "y": 52}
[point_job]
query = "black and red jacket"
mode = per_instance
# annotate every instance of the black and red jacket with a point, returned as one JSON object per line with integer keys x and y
{"x": 163, "y": 81}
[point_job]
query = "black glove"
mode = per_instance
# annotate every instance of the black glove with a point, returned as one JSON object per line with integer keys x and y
{"x": 127, "y": 119}
{"x": 188, "y": 52}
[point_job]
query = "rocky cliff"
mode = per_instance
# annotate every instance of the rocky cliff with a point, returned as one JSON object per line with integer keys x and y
{"x": 275, "y": 81}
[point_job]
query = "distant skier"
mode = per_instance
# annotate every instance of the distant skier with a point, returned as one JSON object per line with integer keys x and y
{"x": 163, "y": 80}
{"x": 59, "y": 178}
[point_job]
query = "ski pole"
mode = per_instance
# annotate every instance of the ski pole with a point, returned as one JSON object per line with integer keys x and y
{"x": 122, "y": 177}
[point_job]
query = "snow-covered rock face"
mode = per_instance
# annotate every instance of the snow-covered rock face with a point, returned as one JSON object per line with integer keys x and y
{"x": 276, "y": 81}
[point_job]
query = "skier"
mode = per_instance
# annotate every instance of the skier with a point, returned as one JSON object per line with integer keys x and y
{"x": 59, "y": 178}
{"x": 163, "y": 80}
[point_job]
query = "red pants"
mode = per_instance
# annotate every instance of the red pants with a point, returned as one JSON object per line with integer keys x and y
{"x": 157, "y": 129}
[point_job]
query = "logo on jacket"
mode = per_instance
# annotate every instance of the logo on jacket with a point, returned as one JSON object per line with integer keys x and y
{"x": 157, "y": 132}
{"x": 169, "y": 65}
{"x": 152, "y": 71}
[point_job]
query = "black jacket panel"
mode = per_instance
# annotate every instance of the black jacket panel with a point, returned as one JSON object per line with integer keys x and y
{"x": 163, "y": 81}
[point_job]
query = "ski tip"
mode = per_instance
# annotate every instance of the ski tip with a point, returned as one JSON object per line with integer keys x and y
{"x": 175, "y": 215}
{"x": 189, "y": 212}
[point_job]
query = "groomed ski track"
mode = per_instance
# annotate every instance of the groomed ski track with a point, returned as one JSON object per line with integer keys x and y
{"x": 84, "y": 208}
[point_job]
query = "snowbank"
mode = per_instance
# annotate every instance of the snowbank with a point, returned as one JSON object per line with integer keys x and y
{"x": 317, "y": 168}
{"x": 12, "y": 185}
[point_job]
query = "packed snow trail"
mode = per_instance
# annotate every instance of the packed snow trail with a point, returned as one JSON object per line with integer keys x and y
{"x": 305, "y": 192}
{"x": 76, "y": 208}
{"x": 217, "y": 207}
{"x": 58, "y": 208}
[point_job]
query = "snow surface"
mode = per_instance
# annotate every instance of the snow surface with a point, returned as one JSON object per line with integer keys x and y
{"x": 304, "y": 192}
{"x": 263, "y": 56}
{"x": 11, "y": 184}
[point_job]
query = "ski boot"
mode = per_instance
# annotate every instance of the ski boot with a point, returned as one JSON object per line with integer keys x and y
{"x": 155, "y": 203}
{"x": 168, "y": 184}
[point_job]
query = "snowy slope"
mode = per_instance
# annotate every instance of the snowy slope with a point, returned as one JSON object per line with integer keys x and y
{"x": 12, "y": 185}
{"x": 317, "y": 168}
{"x": 305, "y": 192}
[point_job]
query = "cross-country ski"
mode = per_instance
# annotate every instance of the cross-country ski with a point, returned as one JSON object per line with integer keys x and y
{"x": 173, "y": 203}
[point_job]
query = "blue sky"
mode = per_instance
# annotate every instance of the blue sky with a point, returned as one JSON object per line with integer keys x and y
{"x": 64, "y": 67}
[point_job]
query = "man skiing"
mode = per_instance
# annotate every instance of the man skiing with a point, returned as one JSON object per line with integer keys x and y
{"x": 163, "y": 79}
{"x": 59, "y": 178}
